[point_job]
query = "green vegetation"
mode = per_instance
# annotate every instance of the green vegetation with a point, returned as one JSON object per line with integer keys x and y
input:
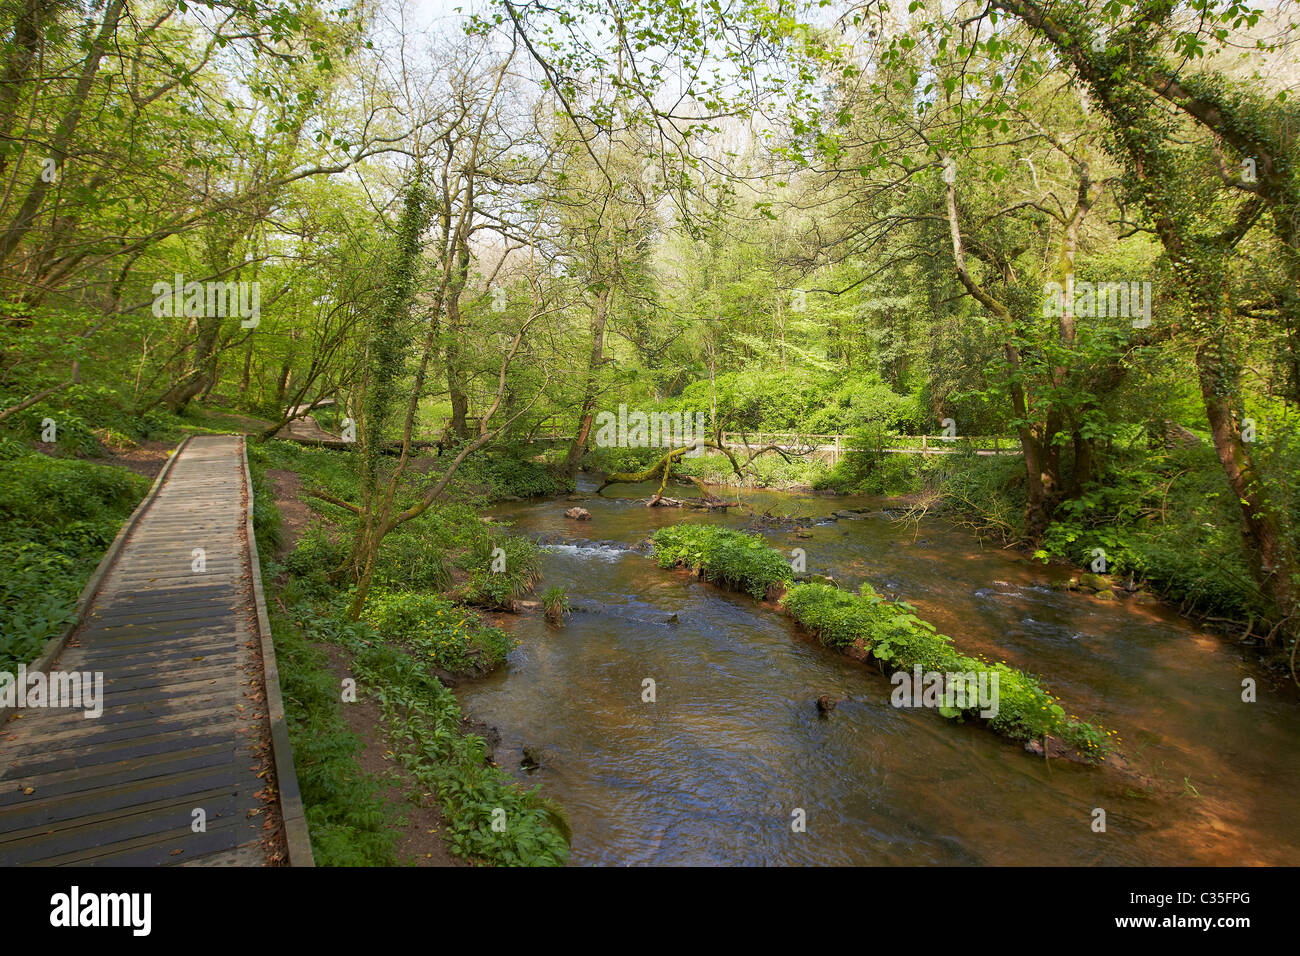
{"x": 510, "y": 473}
{"x": 502, "y": 567}
{"x": 437, "y": 631}
{"x": 730, "y": 558}
{"x": 426, "y": 732}
{"x": 891, "y": 263}
{"x": 1068, "y": 224}
{"x": 555, "y": 605}
{"x": 350, "y": 823}
{"x": 893, "y": 634}
{"x": 58, "y": 518}
{"x": 489, "y": 816}
{"x": 405, "y": 634}
{"x": 768, "y": 471}
{"x": 865, "y": 623}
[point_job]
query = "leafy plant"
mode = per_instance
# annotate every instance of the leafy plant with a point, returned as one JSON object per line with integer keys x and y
{"x": 502, "y": 567}
{"x": 445, "y": 635}
{"x": 731, "y": 558}
{"x": 893, "y": 634}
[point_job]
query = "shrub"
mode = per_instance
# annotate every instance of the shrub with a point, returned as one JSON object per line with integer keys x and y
{"x": 513, "y": 474}
{"x": 439, "y": 632}
{"x": 731, "y": 558}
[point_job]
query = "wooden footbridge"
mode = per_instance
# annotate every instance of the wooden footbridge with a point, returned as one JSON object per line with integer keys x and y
{"x": 189, "y": 761}
{"x": 829, "y": 448}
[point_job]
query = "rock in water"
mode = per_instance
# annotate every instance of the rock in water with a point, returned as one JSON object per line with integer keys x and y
{"x": 1093, "y": 582}
{"x": 578, "y": 514}
{"x": 825, "y": 704}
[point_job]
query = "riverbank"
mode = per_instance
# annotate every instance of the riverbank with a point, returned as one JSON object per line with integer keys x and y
{"x": 435, "y": 795}
{"x": 1156, "y": 527}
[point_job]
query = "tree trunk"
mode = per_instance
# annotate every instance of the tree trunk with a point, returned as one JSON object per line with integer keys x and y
{"x": 61, "y": 141}
{"x": 579, "y": 444}
{"x": 455, "y": 386}
{"x": 1272, "y": 564}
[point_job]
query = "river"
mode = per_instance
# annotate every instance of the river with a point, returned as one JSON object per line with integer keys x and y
{"x": 716, "y": 768}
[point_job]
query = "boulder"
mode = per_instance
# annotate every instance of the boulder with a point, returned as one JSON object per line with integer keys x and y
{"x": 578, "y": 514}
{"x": 1094, "y": 582}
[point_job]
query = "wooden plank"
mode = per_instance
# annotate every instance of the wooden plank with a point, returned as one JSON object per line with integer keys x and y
{"x": 182, "y": 692}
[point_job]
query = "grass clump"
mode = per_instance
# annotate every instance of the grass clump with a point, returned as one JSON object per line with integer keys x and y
{"x": 502, "y": 568}
{"x": 891, "y": 632}
{"x": 730, "y": 558}
{"x": 555, "y": 605}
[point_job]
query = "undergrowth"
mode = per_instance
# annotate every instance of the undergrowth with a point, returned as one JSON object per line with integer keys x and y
{"x": 892, "y": 633}
{"x": 57, "y": 518}
{"x": 731, "y": 558}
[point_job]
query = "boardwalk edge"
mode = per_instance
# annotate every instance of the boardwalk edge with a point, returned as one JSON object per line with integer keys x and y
{"x": 296, "y": 834}
{"x": 55, "y": 645}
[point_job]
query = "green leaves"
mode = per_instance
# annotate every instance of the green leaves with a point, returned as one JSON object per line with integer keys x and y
{"x": 896, "y": 636}
{"x": 731, "y": 558}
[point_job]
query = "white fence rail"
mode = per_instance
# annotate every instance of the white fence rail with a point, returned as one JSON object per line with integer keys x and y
{"x": 836, "y": 445}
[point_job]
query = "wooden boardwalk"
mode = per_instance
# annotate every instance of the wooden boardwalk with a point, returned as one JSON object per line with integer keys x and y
{"x": 186, "y": 724}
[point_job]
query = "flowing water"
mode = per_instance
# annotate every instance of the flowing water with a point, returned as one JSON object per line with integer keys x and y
{"x": 713, "y": 770}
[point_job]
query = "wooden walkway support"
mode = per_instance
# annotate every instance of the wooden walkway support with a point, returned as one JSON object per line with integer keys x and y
{"x": 183, "y": 764}
{"x": 303, "y": 428}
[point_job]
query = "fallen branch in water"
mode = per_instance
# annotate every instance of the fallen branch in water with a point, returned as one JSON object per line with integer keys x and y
{"x": 662, "y": 469}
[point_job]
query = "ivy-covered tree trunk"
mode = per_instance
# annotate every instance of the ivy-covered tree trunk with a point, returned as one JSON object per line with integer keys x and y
{"x": 386, "y": 354}
{"x": 1129, "y": 78}
{"x": 1271, "y": 561}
